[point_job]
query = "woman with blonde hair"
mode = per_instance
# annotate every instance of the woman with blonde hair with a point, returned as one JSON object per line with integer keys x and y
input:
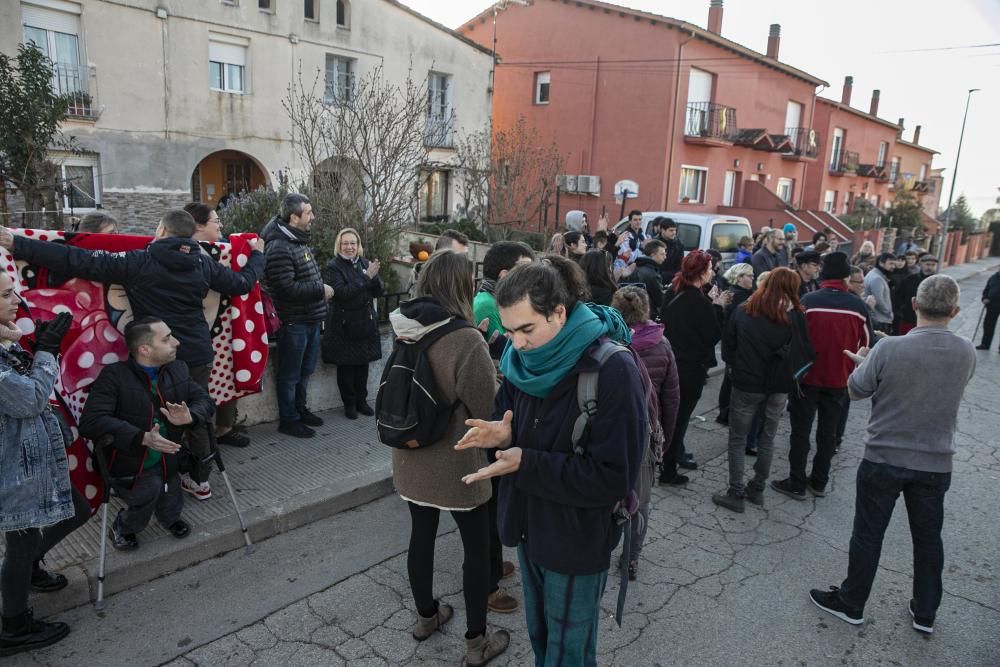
{"x": 351, "y": 339}
{"x": 739, "y": 277}
{"x": 866, "y": 257}
{"x": 557, "y": 246}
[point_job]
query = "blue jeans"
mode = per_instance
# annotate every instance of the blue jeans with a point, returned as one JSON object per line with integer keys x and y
{"x": 298, "y": 352}
{"x": 879, "y": 484}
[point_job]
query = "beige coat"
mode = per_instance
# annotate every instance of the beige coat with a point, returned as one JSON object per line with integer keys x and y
{"x": 432, "y": 475}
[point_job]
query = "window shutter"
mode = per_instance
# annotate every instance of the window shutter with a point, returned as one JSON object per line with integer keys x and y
{"x": 227, "y": 53}
{"x": 48, "y": 19}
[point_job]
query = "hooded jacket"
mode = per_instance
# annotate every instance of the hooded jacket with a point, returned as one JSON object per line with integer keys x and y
{"x": 169, "y": 279}
{"x": 292, "y": 276}
{"x": 465, "y": 376}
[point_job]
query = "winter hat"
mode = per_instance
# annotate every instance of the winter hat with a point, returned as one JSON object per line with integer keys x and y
{"x": 789, "y": 228}
{"x": 809, "y": 257}
{"x": 835, "y": 267}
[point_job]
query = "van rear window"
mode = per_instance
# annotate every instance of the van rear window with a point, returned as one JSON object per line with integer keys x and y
{"x": 726, "y": 235}
{"x": 689, "y": 235}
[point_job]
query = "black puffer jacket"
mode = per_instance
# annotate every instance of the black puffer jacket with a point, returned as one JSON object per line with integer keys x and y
{"x": 647, "y": 272}
{"x": 292, "y": 277}
{"x": 351, "y": 335}
{"x": 121, "y": 404}
{"x": 169, "y": 280}
{"x": 750, "y": 346}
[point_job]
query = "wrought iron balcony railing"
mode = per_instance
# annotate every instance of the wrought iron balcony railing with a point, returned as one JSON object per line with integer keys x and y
{"x": 78, "y": 85}
{"x": 710, "y": 120}
{"x": 804, "y": 140}
{"x": 844, "y": 162}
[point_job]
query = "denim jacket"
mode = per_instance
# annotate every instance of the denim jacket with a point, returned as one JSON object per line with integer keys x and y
{"x": 34, "y": 473}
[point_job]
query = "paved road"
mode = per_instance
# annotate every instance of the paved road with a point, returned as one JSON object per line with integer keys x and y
{"x": 714, "y": 588}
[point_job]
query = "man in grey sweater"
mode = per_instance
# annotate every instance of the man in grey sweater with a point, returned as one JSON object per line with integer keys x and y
{"x": 877, "y": 285}
{"x": 908, "y": 450}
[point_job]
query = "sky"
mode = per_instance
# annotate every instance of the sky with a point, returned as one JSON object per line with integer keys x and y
{"x": 907, "y": 50}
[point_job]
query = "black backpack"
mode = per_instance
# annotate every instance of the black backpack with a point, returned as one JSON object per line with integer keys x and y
{"x": 409, "y": 410}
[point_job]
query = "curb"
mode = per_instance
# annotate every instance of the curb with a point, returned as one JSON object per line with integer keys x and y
{"x": 165, "y": 556}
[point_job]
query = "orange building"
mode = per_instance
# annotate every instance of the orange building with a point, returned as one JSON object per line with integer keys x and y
{"x": 910, "y": 169}
{"x": 701, "y": 123}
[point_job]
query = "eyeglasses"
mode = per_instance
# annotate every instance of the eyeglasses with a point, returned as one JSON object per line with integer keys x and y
{"x": 857, "y": 282}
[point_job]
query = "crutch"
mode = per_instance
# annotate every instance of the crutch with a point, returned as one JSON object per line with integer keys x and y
{"x": 214, "y": 455}
{"x": 102, "y": 467}
{"x": 982, "y": 312}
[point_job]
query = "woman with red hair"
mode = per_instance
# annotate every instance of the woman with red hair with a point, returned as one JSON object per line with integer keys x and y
{"x": 691, "y": 321}
{"x": 758, "y": 334}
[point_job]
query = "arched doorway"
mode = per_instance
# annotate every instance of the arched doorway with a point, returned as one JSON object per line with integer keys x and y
{"x": 225, "y": 173}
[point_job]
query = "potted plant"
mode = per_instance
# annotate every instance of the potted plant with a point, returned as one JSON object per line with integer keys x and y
{"x": 421, "y": 245}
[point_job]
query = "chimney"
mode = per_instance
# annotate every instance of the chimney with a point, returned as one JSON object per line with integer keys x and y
{"x": 774, "y": 41}
{"x": 845, "y": 97}
{"x": 873, "y": 110}
{"x": 715, "y": 16}
{"x": 899, "y": 132}
{"x": 916, "y": 135}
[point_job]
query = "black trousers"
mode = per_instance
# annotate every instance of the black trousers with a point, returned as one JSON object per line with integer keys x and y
{"x": 725, "y": 395}
{"x": 990, "y": 324}
{"x": 353, "y": 384}
{"x": 496, "y": 548}
{"x": 26, "y": 547}
{"x": 473, "y": 526}
{"x": 823, "y": 405}
{"x": 692, "y": 384}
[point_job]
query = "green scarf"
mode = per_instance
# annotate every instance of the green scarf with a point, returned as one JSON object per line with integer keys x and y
{"x": 536, "y": 372}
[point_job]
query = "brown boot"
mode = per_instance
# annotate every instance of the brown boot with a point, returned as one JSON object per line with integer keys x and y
{"x": 425, "y": 627}
{"x": 502, "y": 603}
{"x": 485, "y": 647}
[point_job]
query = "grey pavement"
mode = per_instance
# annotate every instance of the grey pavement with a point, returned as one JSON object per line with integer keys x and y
{"x": 714, "y": 587}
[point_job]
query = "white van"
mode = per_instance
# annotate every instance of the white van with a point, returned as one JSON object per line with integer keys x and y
{"x": 701, "y": 231}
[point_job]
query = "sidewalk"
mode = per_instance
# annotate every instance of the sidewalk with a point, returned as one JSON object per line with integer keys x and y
{"x": 281, "y": 484}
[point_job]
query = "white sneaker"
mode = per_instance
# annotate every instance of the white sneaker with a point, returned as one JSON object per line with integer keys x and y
{"x": 201, "y": 491}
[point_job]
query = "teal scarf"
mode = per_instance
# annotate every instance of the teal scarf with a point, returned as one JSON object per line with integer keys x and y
{"x": 536, "y": 372}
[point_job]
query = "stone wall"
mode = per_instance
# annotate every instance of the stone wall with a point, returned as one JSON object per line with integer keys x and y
{"x": 140, "y": 212}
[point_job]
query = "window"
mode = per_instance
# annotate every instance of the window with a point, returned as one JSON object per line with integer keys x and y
{"x": 56, "y": 34}
{"x": 830, "y": 201}
{"x": 726, "y": 236}
{"x": 310, "y": 10}
{"x": 893, "y": 169}
{"x": 786, "y": 186}
{"x": 883, "y": 148}
{"x": 729, "y": 189}
{"x": 343, "y": 14}
{"x": 542, "y": 87}
{"x": 438, "y": 95}
{"x": 266, "y": 5}
{"x": 227, "y": 65}
{"x": 238, "y": 174}
{"x": 434, "y": 196}
{"x": 692, "y": 185}
{"x": 699, "y": 102}
{"x": 81, "y": 187}
{"x": 339, "y": 79}
{"x": 923, "y": 172}
{"x": 874, "y": 201}
{"x": 836, "y": 146}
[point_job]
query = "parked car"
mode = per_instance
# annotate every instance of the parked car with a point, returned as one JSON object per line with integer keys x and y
{"x": 702, "y": 231}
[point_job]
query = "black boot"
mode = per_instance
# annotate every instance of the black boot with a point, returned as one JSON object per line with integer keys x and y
{"x": 24, "y": 633}
{"x": 364, "y": 408}
{"x": 44, "y": 581}
{"x": 350, "y": 410}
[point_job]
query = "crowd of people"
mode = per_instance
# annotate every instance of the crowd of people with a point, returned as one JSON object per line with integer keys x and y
{"x": 571, "y": 378}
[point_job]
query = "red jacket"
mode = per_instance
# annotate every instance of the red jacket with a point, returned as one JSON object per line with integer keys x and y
{"x": 838, "y": 320}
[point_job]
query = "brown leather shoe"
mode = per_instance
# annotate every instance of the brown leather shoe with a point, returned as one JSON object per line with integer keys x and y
{"x": 502, "y": 603}
{"x": 508, "y": 569}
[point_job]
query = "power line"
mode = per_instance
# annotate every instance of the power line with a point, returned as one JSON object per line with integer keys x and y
{"x": 944, "y": 48}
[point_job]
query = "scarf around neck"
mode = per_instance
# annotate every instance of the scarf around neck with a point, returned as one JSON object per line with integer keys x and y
{"x": 536, "y": 372}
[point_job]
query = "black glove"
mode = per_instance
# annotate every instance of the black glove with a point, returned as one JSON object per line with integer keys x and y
{"x": 49, "y": 335}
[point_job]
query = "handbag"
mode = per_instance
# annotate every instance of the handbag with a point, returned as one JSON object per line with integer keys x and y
{"x": 793, "y": 359}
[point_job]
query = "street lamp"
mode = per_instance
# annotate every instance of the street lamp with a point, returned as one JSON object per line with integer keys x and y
{"x": 954, "y": 177}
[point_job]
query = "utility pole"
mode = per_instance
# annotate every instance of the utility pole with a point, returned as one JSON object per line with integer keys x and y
{"x": 954, "y": 179}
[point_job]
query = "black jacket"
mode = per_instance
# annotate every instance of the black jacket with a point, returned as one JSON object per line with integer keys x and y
{"x": 120, "y": 404}
{"x": 992, "y": 290}
{"x": 558, "y": 504}
{"x": 904, "y": 295}
{"x": 750, "y": 345}
{"x": 292, "y": 277}
{"x": 692, "y": 324}
{"x": 169, "y": 280}
{"x": 601, "y": 294}
{"x": 672, "y": 264}
{"x": 763, "y": 260}
{"x": 647, "y": 272}
{"x": 351, "y": 335}
{"x": 740, "y": 296}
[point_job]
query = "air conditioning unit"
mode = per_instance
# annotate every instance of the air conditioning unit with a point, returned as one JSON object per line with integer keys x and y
{"x": 567, "y": 182}
{"x": 589, "y": 184}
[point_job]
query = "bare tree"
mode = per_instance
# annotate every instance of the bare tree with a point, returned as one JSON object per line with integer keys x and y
{"x": 507, "y": 181}
{"x": 364, "y": 145}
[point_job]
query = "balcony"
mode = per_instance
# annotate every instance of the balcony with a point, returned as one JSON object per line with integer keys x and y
{"x": 440, "y": 130}
{"x": 844, "y": 162}
{"x": 78, "y": 86}
{"x": 804, "y": 143}
{"x": 873, "y": 171}
{"x": 710, "y": 124}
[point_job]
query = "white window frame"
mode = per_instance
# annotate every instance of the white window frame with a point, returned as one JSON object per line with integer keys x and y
{"x": 346, "y": 23}
{"x": 339, "y": 87}
{"x": 91, "y": 161}
{"x": 836, "y": 148}
{"x": 883, "y": 151}
{"x": 790, "y": 183}
{"x": 315, "y": 16}
{"x": 438, "y": 83}
{"x": 894, "y": 169}
{"x": 543, "y": 79}
{"x": 923, "y": 173}
{"x": 701, "y": 183}
{"x": 228, "y": 52}
{"x": 830, "y": 201}
{"x": 729, "y": 189}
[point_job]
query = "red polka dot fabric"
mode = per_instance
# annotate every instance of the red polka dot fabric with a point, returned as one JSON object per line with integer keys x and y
{"x": 100, "y": 314}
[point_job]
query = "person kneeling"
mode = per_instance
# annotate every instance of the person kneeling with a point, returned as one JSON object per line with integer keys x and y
{"x": 146, "y": 405}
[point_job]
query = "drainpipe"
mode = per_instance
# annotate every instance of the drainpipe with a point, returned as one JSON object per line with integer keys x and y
{"x": 593, "y": 116}
{"x": 667, "y": 176}
{"x": 802, "y": 190}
